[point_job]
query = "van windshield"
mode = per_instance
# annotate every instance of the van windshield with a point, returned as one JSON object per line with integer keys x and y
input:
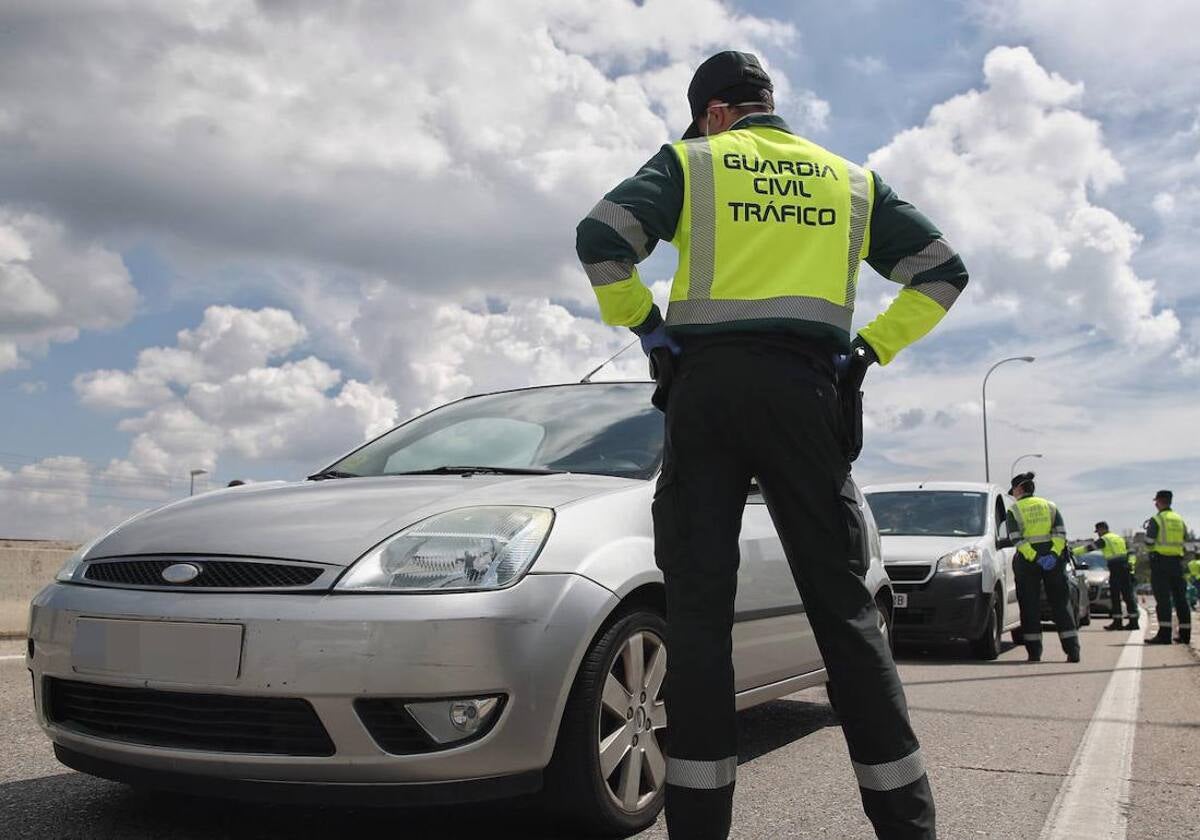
{"x": 929, "y": 513}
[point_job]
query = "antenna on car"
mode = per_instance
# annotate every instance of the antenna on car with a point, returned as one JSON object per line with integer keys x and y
{"x": 588, "y": 378}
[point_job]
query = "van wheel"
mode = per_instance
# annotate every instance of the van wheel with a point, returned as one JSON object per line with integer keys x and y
{"x": 609, "y": 769}
{"x": 988, "y": 645}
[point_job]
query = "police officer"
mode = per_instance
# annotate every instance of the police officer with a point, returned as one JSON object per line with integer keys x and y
{"x": 1120, "y": 574}
{"x": 1041, "y": 560}
{"x": 770, "y": 229}
{"x": 1165, "y": 536}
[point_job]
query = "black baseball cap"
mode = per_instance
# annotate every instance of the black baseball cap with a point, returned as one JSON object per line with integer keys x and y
{"x": 737, "y": 74}
{"x": 1166, "y": 495}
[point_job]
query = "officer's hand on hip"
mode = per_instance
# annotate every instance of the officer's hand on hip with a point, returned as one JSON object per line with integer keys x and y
{"x": 852, "y": 367}
{"x": 659, "y": 338}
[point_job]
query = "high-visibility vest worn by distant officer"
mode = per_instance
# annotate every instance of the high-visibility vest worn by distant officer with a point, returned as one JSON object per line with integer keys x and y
{"x": 1035, "y": 518}
{"x": 772, "y": 229}
{"x": 1113, "y": 546}
{"x": 1194, "y": 570}
{"x": 1171, "y": 533}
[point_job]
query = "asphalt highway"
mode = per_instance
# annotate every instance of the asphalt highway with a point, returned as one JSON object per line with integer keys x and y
{"x": 1107, "y": 748}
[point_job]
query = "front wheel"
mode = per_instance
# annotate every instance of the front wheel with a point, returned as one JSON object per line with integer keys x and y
{"x": 609, "y": 769}
{"x": 988, "y": 645}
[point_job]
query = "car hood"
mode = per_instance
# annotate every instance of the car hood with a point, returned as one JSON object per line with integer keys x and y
{"x": 1096, "y": 575}
{"x": 921, "y": 549}
{"x": 333, "y": 521}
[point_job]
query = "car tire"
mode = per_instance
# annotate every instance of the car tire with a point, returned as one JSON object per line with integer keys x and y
{"x": 988, "y": 646}
{"x": 630, "y": 796}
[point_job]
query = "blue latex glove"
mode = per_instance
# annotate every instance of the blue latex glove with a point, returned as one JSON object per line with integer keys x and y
{"x": 658, "y": 338}
{"x": 1047, "y": 561}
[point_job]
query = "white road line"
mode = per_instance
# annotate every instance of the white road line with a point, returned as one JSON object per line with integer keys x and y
{"x": 1093, "y": 802}
{"x": 7, "y": 657}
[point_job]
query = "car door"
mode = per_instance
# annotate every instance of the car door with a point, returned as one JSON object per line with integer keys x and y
{"x": 772, "y": 639}
{"x": 1012, "y": 613}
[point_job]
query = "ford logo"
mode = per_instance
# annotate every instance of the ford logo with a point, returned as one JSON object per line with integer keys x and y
{"x": 181, "y": 573}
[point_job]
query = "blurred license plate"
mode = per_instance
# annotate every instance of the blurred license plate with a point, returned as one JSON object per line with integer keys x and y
{"x": 901, "y": 599}
{"x": 172, "y": 651}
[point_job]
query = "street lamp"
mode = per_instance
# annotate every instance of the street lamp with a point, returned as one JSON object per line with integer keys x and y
{"x": 192, "y": 482}
{"x": 987, "y": 467}
{"x": 1013, "y": 469}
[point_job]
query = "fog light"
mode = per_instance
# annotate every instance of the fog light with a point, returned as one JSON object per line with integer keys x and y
{"x": 447, "y": 721}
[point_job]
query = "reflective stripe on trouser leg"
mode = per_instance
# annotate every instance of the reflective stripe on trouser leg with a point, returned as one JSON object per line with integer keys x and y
{"x": 890, "y": 775}
{"x": 1033, "y": 637}
{"x": 1069, "y": 634}
{"x": 701, "y": 775}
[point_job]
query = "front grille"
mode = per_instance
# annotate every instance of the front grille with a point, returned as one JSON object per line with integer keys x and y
{"x": 392, "y": 727}
{"x": 211, "y": 722}
{"x": 1093, "y": 591}
{"x": 908, "y": 574}
{"x": 214, "y": 574}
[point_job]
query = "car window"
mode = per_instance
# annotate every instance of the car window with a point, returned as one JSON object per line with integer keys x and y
{"x": 935, "y": 513}
{"x": 601, "y": 428}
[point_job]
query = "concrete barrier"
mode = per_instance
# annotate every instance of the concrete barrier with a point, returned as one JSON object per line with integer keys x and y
{"x": 25, "y": 567}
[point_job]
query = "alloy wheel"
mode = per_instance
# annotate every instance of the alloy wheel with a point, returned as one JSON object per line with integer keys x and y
{"x": 633, "y": 719}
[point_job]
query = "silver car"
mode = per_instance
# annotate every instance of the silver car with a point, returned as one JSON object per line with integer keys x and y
{"x": 465, "y": 608}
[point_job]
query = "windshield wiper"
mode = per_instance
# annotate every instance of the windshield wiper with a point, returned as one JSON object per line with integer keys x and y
{"x": 456, "y": 470}
{"x": 324, "y": 474}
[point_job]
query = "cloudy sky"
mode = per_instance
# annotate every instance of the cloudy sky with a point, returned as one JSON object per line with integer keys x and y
{"x": 241, "y": 236}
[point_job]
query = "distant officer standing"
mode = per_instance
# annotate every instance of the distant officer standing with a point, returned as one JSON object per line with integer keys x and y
{"x": 1120, "y": 574}
{"x": 1037, "y": 530}
{"x": 771, "y": 230}
{"x": 1165, "y": 536}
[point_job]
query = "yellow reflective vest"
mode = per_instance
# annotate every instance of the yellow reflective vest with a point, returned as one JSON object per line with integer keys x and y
{"x": 1036, "y": 525}
{"x": 1172, "y": 532}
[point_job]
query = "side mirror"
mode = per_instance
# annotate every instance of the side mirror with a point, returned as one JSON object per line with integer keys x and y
{"x": 1004, "y": 542}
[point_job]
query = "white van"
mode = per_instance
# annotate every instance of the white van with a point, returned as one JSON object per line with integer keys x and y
{"x": 947, "y": 551}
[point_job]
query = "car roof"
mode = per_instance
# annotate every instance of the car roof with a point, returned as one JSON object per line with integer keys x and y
{"x": 952, "y": 486}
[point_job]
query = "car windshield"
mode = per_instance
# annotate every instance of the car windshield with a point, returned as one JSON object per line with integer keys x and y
{"x": 932, "y": 513}
{"x": 602, "y": 428}
{"x": 1093, "y": 560}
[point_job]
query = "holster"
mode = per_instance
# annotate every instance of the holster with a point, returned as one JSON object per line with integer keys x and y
{"x": 662, "y": 371}
{"x": 852, "y": 422}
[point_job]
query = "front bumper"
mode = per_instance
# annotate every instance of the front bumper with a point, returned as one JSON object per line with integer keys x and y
{"x": 947, "y": 607}
{"x": 329, "y": 650}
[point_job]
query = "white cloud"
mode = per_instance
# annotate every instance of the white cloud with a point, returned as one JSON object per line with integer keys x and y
{"x": 1009, "y": 173}
{"x": 437, "y": 146}
{"x": 218, "y": 391}
{"x": 52, "y": 286}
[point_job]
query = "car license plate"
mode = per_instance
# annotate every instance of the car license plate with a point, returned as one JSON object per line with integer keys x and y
{"x": 171, "y": 651}
{"x": 900, "y": 599}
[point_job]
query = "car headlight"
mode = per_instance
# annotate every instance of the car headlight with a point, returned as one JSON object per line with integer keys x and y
{"x": 468, "y": 548}
{"x": 69, "y": 568}
{"x": 963, "y": 560}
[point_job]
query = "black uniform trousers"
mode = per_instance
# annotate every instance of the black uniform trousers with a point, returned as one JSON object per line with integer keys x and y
{"x": 1030, "y": 578}
{"x": 761, "y": 408}
{"x": 1120, "y": 588}
{"x": 1166, "y": 580}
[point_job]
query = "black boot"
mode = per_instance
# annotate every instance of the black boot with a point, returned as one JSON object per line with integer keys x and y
{"x": 1115, "y": 625}
{"x": 1133, "y": 622}
{"x": 1184, "y": 637}
{"x": 1073, "y": 654}
{"x": 1034, "y": 653}
{"x": 1163, "y": 637}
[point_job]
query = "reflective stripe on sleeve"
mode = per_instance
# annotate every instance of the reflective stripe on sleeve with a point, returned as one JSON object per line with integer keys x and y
{"x": 624, "y": 223}
{"x": 701, "y": 775}
{"x": 940, "y": 292}
{"x": 1069, "y": 634}
{"x": 892, "y": 775}
{"x": 931, "y": 256}
{"x": 609, "y": 271}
